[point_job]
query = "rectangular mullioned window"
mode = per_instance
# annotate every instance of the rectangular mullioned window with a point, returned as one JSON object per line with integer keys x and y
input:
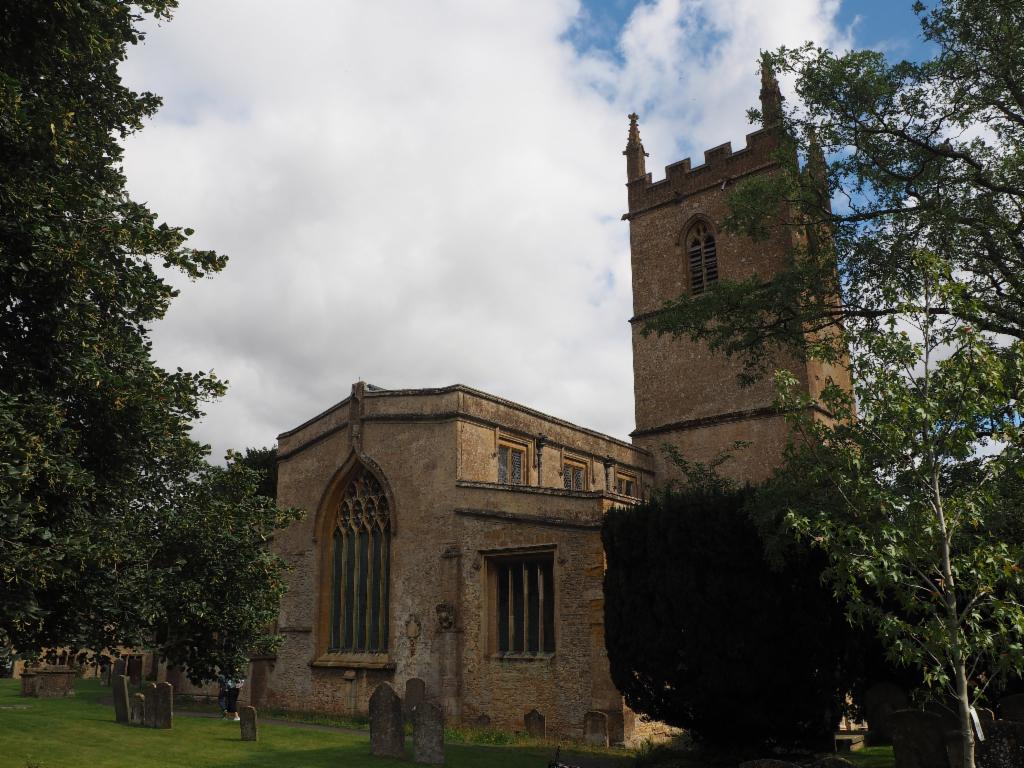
{"x": 512, "y": 468}
{"x": 626, "y": 484}
{"x": 523, "y": 600}
{"x": 574, "y": 475}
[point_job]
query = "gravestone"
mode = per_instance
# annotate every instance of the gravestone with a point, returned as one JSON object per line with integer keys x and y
{"x": 387, "y": 728}
{"x": 768, "y": 763}
{"x": 483, "y": 720}
{"x": 29, "y": 681}
{"x": 415, "y": 692}
{"x": 119, "y": 687}
{"x": 55, "y": 682}
{"x": 534, "y": 722}
{"x": 1012, "y": 708}
{"x": 135, "y": 671}
{"x": 1003, "y": 746}
{"x": 120, "y": 668}
{"x": 595, "y": 728}
{"x": 164, "y": 703}
{"x": 880, "y": 701}
{"x": 137, "y": 709}
{"x": 149, "y": 716}
{"x": 248, "y": 723}
{"x": 428, "y": 734}
{"x": 918, "y": 739}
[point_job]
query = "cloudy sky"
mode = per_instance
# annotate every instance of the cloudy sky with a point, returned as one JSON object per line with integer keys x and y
{"x": 423, "y": 192}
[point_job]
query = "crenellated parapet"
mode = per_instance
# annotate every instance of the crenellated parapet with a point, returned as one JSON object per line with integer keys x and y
{"x": 721, "y": 167}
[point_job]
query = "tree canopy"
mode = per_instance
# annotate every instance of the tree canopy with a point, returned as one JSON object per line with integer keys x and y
{"x": 908, "y": 224}
{"x": 705, "y": 632}
{"x": 103, "y": 491}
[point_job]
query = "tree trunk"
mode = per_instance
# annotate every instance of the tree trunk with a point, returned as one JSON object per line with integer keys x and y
{"x": 966, "y": 727}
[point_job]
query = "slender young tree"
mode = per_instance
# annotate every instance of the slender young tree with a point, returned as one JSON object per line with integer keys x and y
{"x": 909, "y": 247}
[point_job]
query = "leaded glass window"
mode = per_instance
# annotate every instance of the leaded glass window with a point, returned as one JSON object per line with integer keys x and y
{"x": 625, "y": 484}
{"x": 574, "y": 476}
{"x": 511, "y": 463}
{"x": 702, "y": 257}
{"x": 525, "y": 603}
{"x": 360, "y": 565}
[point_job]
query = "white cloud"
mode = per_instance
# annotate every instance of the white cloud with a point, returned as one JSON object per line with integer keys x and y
{"x": 419, "y": 194}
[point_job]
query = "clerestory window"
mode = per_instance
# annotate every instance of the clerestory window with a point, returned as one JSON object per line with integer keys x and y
{"x": 626, "y": 484}
{"x": 701, "y": 257}
{"x": 512, "y": 469}
{"x": 574, "y": 475}
{"x": 360, "y": 561}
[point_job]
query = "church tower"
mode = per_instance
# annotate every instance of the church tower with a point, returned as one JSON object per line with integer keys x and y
{"x": 686, "y": 396}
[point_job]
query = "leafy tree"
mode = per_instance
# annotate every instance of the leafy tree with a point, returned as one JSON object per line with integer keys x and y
{"x": 907, "y": 491}
{"x": 910, "y": 487}
{"x": 705, "y": 633}
{"x": 923, "y": 155}
{"x": 263, "y": 461}
{"x": 103, "y": 492}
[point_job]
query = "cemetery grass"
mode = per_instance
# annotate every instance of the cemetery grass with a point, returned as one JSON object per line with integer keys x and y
{"x": 80, "y": 731}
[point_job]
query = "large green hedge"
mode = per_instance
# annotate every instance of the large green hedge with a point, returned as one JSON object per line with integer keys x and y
{"x": 703, "y": 633}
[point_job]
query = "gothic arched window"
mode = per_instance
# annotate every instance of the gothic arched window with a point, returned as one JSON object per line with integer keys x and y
{"x": 359, "y": 558}
{"x": 701, "y": 257}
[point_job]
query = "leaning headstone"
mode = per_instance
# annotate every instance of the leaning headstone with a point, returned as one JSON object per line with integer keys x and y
{"x": 248, "y": 723}
{"x": 918, "y": 739}
{"x": 1012, "y": 708}
{"x": 768, "y": 763}
{"x": 534, "y": 722}
{"x": 880, "y": 701}
{"x": 163, "y": 698}
{"x": 149, "y": 716}
{"x": 595, "y": 728}
{"x": 387, "y": 728}
{"x": 119, "y": 688}
{"x": 428, "y": 734}
{"x": 415, "y": 692}
{"x": 137, "y": 709}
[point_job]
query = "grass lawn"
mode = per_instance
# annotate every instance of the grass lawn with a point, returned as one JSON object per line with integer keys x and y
{"x": 67, "y": 733}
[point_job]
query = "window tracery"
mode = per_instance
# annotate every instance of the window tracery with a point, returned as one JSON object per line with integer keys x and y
{"x": 360, "y": 560}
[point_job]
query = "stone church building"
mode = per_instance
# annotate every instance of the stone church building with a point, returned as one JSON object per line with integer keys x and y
{"x": 454, "y": 536}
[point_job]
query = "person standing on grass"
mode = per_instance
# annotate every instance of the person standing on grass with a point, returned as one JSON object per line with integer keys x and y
{"x": 228, "y": 687}
{"x": 233, "y": 686}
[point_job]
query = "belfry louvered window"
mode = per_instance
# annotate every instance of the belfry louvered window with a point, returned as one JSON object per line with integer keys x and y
{"x": 702, "y": 257}
{"x": 360, "y": 548}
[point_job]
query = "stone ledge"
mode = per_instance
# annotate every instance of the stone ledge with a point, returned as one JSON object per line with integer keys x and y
{"x": 342, "y": 662}
{"x": 512, "y": 517}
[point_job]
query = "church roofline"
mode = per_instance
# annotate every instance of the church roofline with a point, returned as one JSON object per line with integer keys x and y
{"x": 372, "y": 391}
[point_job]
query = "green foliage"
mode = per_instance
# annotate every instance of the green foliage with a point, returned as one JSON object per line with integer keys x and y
{"x": 263, "y": 461}
{"x": 111, "y": 521}
{"x": 911, "y": 489}
{"x": 924, "y": 156}
{"x": 913, "y": 493}
{"x": 705, "y": 634}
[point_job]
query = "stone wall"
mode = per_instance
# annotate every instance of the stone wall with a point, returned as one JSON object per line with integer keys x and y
{"x": 435, "y": 453}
